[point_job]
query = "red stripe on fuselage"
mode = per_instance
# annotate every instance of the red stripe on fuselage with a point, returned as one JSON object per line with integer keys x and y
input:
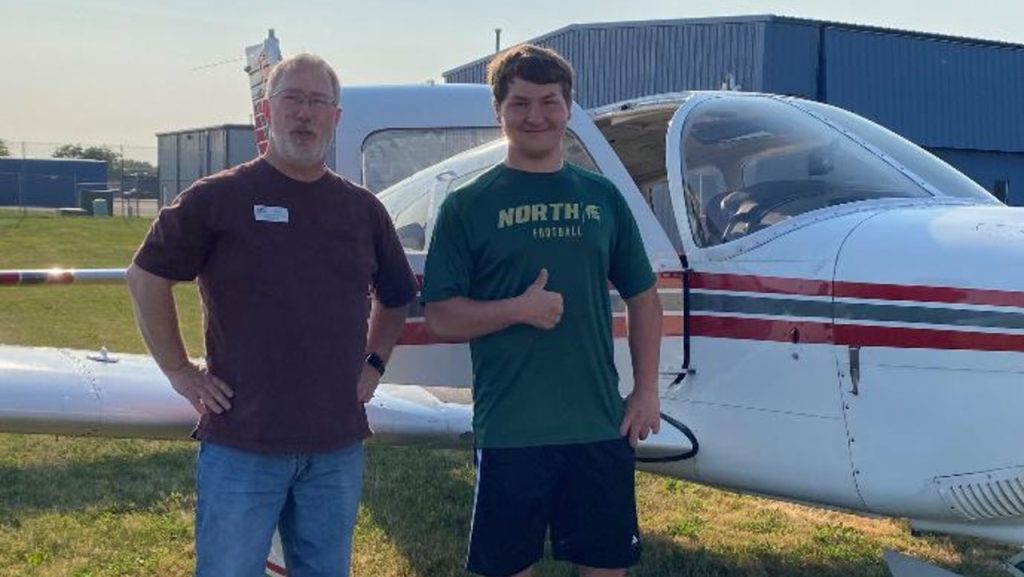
{"x": 760, "y": 329}
{"x": 921, "y": 293}
{"x": 416, "y": 332}
{"x": 276, "y": 569}
{"x": 760, "y": 284}
{"x": 666, "y": 280}
{"x": 741, "y": 328}
{"x": 860, "y": 290}
{"x": 910, "y": 338}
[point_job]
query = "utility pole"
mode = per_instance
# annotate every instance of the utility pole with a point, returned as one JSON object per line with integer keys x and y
{"x": 497, "y": 40}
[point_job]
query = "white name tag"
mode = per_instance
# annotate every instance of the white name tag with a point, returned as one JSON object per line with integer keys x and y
{"x": 265, "y": 213}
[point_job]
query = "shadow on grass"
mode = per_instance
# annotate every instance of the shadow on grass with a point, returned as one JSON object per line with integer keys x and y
{"x": 422, "y": 498}
{"x": 140, "y": 480}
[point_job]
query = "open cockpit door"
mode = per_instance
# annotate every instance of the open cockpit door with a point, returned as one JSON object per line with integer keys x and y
{"x": 635, "y": 130}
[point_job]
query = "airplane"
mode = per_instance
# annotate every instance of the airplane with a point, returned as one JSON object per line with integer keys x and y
{"x": 843, "y": 310}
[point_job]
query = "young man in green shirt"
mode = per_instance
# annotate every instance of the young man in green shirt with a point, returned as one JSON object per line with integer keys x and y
{"x": 519, "y": 265}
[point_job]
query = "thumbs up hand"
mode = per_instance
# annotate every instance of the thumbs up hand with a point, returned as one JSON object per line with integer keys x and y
{"x": 538, "y": 306}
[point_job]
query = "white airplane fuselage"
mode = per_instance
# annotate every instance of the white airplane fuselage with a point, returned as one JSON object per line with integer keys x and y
{"x": 866, "y": 355}
{"x": 865, "y": 352}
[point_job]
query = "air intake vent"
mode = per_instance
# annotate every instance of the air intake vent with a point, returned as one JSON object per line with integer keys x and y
{"x": 988, "y": 495}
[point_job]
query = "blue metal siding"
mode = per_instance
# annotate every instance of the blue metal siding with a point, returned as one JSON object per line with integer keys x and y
{"x": 986, "y": 168}
{"x": 621, "y": 62}
{"x": 937, "y": 92}
{"x": 48, "y": 183}
{"x": 469, "y": 74}
{"x": 791, "y": 59}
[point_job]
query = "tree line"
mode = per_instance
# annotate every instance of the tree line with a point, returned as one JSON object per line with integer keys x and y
{"x": 115, "y": 163}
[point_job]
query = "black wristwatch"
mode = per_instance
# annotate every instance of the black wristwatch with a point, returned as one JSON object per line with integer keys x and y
{"x": 378, "y": 364}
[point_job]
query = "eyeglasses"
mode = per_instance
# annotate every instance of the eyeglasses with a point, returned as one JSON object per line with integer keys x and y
{"x": 297, "y": 98}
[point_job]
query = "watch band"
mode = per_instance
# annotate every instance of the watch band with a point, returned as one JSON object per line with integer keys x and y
{"x": 375, "y": 361}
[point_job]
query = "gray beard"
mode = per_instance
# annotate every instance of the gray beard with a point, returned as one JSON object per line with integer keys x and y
{"x": 297, "y": 155}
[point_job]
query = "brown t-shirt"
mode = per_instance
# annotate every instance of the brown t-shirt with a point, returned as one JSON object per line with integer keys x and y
{"x": 284, "y": 270}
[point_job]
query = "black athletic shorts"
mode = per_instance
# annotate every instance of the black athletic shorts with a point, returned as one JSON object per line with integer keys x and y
{"x": 584, "y": 493}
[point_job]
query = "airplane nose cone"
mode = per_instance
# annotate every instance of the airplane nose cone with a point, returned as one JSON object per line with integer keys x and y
{"x": 931, "y": 300}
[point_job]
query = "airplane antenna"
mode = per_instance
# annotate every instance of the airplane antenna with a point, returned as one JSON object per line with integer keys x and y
{"x": 222, "y": 62}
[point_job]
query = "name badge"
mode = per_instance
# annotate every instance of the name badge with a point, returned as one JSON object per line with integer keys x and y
{"x": 265, "y": 213}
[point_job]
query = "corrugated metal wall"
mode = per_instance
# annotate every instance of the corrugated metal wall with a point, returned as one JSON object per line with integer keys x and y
{"x": 49, "y": 183}
{"x": 185, "y": 157}
{"x": 986, "y": 167}
{"x": 962, "y": 98}
{"x": 936, "y": 92}
{"x": 241, "y": 146}
{"x": 616, "y": 63}
{"x": 791, "y": 58}
{"x": 167, "y": 166}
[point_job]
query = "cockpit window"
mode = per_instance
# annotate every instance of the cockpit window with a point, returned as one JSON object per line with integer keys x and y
{"x": 750, "y": 163}
{"x": 412, "y": 202}
{"x": 946, "y": 179}
{"x": 393, "y": 154}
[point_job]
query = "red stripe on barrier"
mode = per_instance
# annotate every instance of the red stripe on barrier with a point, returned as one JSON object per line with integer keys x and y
{"x": 62, "y": 277}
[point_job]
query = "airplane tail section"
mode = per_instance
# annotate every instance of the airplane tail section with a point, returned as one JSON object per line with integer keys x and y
{"x": 260, "y": 59}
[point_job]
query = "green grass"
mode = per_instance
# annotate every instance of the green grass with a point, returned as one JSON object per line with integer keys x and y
{"x": 99, "y": 508}
{"x": 83, "y": 317}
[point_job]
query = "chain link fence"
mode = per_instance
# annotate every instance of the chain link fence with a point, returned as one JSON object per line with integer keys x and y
{"x": 70, "y": 177}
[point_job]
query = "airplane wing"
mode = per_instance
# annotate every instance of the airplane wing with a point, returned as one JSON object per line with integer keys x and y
{"x": 103, "y": 394}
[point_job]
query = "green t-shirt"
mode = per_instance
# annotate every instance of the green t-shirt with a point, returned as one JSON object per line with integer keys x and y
{"x": 491, "y": 239}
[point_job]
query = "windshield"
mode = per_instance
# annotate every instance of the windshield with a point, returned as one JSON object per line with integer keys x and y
{"x": 946, "y": 180}
{"x": 412, "y": 202}
{"x": 751, "y": 162}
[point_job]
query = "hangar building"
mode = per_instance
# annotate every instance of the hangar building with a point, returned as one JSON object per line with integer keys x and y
{"x": 960, "y": 98}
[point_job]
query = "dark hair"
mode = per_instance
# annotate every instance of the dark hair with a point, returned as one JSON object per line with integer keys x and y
{"x": 532, "y": 64}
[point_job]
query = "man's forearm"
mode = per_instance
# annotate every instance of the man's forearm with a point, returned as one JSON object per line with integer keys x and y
{"x": 644, "y": 318}
{"x": 157, "y": 318}
{"x": 463, "y": 319}
{"x": 385, "y": 328}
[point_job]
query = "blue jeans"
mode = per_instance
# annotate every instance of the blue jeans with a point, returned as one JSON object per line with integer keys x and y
{"x": 242, "y": 496}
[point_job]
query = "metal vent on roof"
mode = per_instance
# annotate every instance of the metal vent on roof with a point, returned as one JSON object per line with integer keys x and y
{"x": 987, "y": 495}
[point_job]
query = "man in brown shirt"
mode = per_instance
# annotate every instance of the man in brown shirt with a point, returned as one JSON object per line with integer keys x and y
{"x": 285, "y": 253}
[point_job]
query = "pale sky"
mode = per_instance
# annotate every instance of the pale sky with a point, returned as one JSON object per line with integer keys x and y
{"x": 116, "y": 71}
